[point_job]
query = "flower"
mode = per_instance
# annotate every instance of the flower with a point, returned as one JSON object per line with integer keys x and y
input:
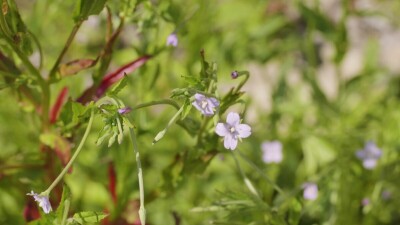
{"x": 369, "y": 155}
{"x": 234, "y": 74}
{"x": 232, "y": 130}
{"x": 205, "y": 105}
{"x": 172, "y": 40}
{"x": 272, "y": 151}
{"x": 125, "y": 110}
{"x": 365, "y": 201}
{"x": 310, "y": 191}
{"x": 43, "y": 201}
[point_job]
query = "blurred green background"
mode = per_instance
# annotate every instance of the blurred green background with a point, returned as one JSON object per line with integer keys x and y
{"x": 324, "y": 80}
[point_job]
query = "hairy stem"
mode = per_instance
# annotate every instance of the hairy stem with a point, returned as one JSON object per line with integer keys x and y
{"x": 64, "y": 50}
{"x": 142, "y": 210}
{"x": 78, "y": 150}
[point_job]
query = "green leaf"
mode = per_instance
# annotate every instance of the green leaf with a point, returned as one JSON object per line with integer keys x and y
{"x": 66, "y": 195}
{"x": 86, "y": 8}
{"x": 48, "y": 139}
{"x": 186, "y": 109}
{"x": 17, "y": 29}
{"x": 317, "y": 153}
{"x": 295, "y": 212}
{"x": 88, "y": 217}
{"x": 121, "y": 84}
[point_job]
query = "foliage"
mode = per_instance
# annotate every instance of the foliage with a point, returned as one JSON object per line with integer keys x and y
{"x": 65, "y": 65}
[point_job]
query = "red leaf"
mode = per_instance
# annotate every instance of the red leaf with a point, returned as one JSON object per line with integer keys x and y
{"x": 94, "y": 93}
{"x": 55, "y": 110}
{"x": 31, "y": 211}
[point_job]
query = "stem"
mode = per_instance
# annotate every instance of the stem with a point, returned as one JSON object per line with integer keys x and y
{"x": 142, "y": 210}
{"x": 64, "y": 171}
{"x": 246, "y": 180}
{"x": 276, "y": 187}
{"x": 65, "y": 213}
{"x": 42, "y": 83}
{"x": 202, "y": 128}
{"x": 66, "y": 46}
{"x": 160, "y": 102}
{"x": 170, "y": 122}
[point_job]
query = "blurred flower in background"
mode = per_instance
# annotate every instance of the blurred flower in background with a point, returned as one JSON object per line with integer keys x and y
{"x": 272, "y": 152}
{"x": 172, "y": 40}
{"x": 365, "y": 201}
{"x": 310, "y": 191}
{"x": 369, "y": 155}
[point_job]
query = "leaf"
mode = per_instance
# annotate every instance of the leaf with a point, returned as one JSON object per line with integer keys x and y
{"x": 86, "y": 8}
{"x": 118, "y": 87}
{"x": 17, "y": 30}
{"x": 65, "y": 196}
{"x": 317, "y": 153}
{"x": 95, "y": 92}
{"x": 76, "y": 66}
{"x": 186, "y": 109}
{"x": 88, "y": 217}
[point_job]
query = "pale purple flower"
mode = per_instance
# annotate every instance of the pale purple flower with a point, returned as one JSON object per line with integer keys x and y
{"x": 365, "y": 201}
{"x": 172, "y": 40}
{"x": 232, "y": 130}
{"x": 310, "y": 191}
{"x": 205, "y": 105}
{"x": 125, "y": 110}
{"x": 369, "y": 155}
{"x": 43, "y": 201}
{"x": 272, "y": 151}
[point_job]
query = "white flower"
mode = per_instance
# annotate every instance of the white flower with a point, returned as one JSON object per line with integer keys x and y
{"x": 43, "y": 200}
{"x": 205, "y": 105}
{"x": 232, "y": 130}
{"x": 272, "y": 152}
{"x": 172, "y": 40}
{"x": 310, "y": 191}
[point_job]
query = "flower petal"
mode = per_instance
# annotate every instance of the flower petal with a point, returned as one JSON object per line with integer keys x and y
{"x": 244, "y": 130}
{"x": 233, "y": 119}
{"x": 197, "y": 106}
{"x": 369, "y": 164}
{"x": 199, "y": 97}
{"x": 221, "y": 130}
{"x": 214, "y": 102}
{"x": 361, "y": 154}
{"x": 310, "y": 191}
{"x": 230, "y": 142}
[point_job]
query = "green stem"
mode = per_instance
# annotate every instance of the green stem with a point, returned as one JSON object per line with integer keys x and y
{"x": 142, "y": 210}
{"x": 160, "y": 102}
{"x": 245, "y": 179}
{"x": 202, "y": 128}
{"x": 64, "y": 171}
{"x": 170, "y": 122}
{"x": 42, "y": 83}
{"x": 67, "y": 203}
{"x": 276, "y": 187}
{"x": 66, "y": 47}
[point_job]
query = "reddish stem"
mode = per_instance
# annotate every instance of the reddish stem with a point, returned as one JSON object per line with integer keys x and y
{"x": 55, "y": 110}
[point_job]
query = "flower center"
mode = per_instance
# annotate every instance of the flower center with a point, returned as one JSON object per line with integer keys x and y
{"x": 232, "y": 130}
{"x": 204, "y": 104}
